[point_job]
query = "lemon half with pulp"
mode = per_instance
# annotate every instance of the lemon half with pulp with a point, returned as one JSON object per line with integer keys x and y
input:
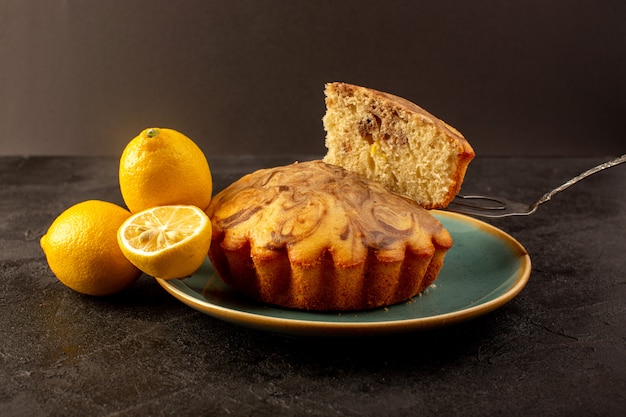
{"x": 166, "y": 242}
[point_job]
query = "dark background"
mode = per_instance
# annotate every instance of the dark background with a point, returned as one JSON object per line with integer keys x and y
{"x": 516, "y": 77}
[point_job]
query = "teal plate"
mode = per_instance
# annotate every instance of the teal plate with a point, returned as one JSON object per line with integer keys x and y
{"x": 484, "y": 269}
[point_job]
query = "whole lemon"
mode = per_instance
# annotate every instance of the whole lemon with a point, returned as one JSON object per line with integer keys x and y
{"x": 82, "y": 250}
{"x": 164, "y": 167}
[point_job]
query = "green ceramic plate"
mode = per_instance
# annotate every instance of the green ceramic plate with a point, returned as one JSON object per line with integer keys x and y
{"x": 484, "y": 269}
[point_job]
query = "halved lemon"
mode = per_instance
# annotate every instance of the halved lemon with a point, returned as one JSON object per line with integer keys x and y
{"x": 166, "y": 242}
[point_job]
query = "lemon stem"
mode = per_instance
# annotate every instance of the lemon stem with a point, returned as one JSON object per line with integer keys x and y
{"x": 152, "y": 133}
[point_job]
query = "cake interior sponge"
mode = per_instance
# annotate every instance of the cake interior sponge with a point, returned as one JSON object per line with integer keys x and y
{"x": 394, "y": 141}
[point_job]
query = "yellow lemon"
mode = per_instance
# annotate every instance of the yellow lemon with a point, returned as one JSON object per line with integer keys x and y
{"x": 168, "y": 241}
{"x": 164, "y": 167}
{"x": 82, "y": 251}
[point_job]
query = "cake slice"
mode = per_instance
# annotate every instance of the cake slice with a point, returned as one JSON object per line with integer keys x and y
{"x": 391, "y": 140}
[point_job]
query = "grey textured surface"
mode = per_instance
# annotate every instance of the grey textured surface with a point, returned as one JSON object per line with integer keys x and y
{"x": 556, "y": 349}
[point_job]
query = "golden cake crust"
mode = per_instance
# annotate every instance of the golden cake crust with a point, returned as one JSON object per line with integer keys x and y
{"x": 315, "y": 236}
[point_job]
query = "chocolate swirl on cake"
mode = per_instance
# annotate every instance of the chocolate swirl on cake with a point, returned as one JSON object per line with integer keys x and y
{"x": 301, "y": 194}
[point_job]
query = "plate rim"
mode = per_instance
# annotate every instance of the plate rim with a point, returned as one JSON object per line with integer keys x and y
{"x": 302, "y": 327}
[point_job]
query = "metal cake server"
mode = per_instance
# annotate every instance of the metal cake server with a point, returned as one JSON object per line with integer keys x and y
{"x": 493, "y": 207}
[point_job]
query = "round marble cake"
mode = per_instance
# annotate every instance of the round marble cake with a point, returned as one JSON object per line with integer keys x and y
{"x": 315, "y": 236}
